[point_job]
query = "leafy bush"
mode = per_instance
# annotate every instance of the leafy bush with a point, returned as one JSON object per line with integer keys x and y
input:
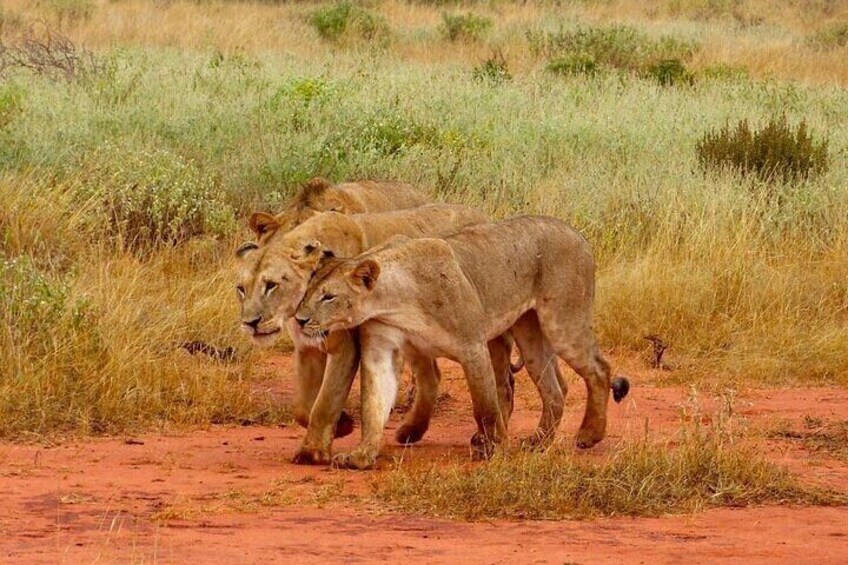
{"x": 776, "y": 151}
{"x": 833, "y": 37}
{"x": 33, "y": 304}
{"x": 575, "y": 64}
{"x": 11, "y": 98}
{"x": 493, "y": 70}
{"x": 334, "y": 22}
{"x": 155, "y": 196}
{"x": 723, "y": 71}
{"x": 464, "y": 27}
{"x": 616, "y": 46}
{"x": 669, "y": 72}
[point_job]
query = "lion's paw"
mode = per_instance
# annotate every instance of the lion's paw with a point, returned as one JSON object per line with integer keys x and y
{"x": 588, "y": 437}
{"x": 409, "y": 433}
{"x": 357, "y": 459}
{"x": 311, "y": 456}
{"x": 482, "y": 448}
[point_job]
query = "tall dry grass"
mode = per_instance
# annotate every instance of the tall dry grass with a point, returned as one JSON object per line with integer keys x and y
{"x": 768, "y": 37}
{"x": 123, "y": 187}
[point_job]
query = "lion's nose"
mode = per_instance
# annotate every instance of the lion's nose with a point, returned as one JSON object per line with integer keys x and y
{"x": 254, "y": 323}
{"x": 302, "y": 321}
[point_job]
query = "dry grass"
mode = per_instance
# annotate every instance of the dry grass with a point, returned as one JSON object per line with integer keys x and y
{"x": 816, "y": 434}
{"x": 197, "y": 112}
{"x": 768, "y": 37}
{"x": 91, "y": 335}
{"x": 700, "y": 469}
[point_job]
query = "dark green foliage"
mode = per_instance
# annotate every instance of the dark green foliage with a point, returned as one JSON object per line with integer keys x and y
{"x": 464, "y": 27}
{"x": 333, "y": 22}
{"x": 724, "y": 71}
{"x": 620, "y": 47}
{"x": 670, "y": 72}
{"x": 493, "y": 70}
{"x": 578, "y": 64}
{"x": 777, "y": 151}
{"x": 833, "y": 37}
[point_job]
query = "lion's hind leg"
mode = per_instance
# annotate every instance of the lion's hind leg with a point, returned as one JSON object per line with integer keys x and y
{"x": 426, "y": 376}
{"x": 540, "y": 361}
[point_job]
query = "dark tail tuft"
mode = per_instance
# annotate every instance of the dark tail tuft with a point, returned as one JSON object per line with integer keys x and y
{"x": 620, "y": 387}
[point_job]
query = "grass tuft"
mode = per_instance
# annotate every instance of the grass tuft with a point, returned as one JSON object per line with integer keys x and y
{"x": 704, "y": 468}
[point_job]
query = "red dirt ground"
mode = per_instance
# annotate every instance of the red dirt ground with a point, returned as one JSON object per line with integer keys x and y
{"x": 230, "y": 495}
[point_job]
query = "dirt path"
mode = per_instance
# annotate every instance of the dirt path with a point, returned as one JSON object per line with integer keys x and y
{"x": 230, "y": 495}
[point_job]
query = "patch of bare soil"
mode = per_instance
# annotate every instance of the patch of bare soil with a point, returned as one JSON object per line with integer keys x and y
{"x": 230, "y": 495}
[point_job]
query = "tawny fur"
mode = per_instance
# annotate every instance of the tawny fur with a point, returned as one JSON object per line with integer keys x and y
{"x": 325, "y": 367}
{"x": 449, "y": 297}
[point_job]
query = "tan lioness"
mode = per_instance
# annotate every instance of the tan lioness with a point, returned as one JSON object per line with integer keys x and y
{"x": 449, "y": 297}
{"x": 357, "y": 197}
{"x": 272, "y": 279}
{"x": 320, "y": 195}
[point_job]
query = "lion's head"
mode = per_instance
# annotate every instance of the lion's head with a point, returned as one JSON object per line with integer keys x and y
{"x": 272, "y": 277}
{"x": 336, "y": 297}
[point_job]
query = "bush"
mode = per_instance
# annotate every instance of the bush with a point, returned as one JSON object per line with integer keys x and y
{"x": 832, "y": 37}
{"x": 578, "y": 64}
{"x": 723, "y": 71}
{"x": 334, "y": 22}
{"x": 11, "y": 99}
{"x": 777, "y": 151}
{"x": 155, "y": 196}
{"x": 464, "y": 27}
{"x": 616, "y": 46}
{"x": 493, "y": 70}
{"x": 669, "y": 72}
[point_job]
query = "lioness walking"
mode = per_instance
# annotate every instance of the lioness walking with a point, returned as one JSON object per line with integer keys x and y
{"x": 449, "y": 297}
{"x": 272, "y": 279}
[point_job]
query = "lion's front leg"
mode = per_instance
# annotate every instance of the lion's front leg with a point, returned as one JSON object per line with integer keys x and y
{"x": 342, "y": 360}
{"x": 379, "y": 382}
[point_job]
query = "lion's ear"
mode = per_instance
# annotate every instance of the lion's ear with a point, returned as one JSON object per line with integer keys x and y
{"x": 366, "y": 273}
{"x": 246, "y": 248}
{"x": 262, "y": 223}
{"x": 311, "y": 247}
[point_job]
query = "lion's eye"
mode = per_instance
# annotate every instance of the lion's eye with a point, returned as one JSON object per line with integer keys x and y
{"x": 269, "y": 287}
{"x": 240, "y": 290}
{"x": 328, "y": 297}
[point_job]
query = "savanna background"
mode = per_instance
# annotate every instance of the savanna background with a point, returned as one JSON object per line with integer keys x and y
{"x": 136, "y": 137}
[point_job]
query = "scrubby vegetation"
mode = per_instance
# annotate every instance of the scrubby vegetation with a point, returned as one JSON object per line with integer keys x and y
{"x": 124, "y": 185}
{"x": 705, "y": 467}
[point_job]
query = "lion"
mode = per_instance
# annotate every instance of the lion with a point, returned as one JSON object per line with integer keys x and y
{"x": 532, "y": 275}
{"x": 320, "y": 195}
{"x": 272, "y": 279}
{"x": 356, "y": 197}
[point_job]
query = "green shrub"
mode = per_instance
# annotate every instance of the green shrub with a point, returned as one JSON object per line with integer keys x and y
{"x": 155, "y": 196}
{"x": 11, "y": 100}
{"x": 669, "y": 72}
{"x": 36, "y": 305}
{"x": 575, "y": 64}
{"x": 616, "y": 46}
{"x": 464, "y": 27}
{"x": 723, "y": 71}
{"x": 777, "y": 151}
{"x": 833, "y": 37}
{"x": 342, "y": 18}
{"x": 493, "y": 70}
